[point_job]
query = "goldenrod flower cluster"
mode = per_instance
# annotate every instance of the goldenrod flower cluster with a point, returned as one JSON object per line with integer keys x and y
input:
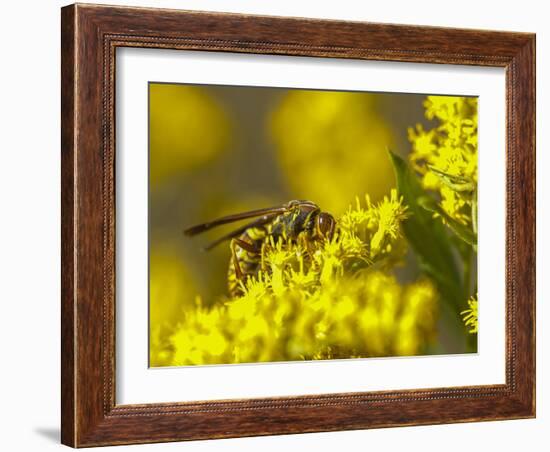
{"x": 470, "y": 315}
{"x": 446, "y": 156}
{"x": 319, "y": 300}
{"x": 447, "y": 159}
{"x": 171, "y": 293}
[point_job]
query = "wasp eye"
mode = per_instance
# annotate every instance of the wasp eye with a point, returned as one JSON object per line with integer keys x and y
{"x": 326, "y": 225}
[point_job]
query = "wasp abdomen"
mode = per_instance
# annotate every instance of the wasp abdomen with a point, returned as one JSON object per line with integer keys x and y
{"x": 249, "y": 262}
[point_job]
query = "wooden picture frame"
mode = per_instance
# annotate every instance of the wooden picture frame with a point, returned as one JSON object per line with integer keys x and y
{"x": 90, "y": 36}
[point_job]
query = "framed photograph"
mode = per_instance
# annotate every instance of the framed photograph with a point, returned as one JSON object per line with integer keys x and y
{"x": 282, "y": 225}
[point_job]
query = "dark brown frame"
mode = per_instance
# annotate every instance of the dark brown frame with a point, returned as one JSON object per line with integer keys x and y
{"x": 90, "y": 35}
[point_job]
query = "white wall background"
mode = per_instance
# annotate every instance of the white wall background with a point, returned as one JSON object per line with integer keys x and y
{"x": 30, "y": 229}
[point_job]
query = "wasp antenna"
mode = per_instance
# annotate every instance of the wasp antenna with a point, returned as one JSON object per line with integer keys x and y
{"x": 194, "y": 230}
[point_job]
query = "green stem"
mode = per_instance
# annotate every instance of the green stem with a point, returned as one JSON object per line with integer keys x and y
{"x": 467, "y": 283}
{"x": 471, "y": 339}
{"x": 474, "y": 213}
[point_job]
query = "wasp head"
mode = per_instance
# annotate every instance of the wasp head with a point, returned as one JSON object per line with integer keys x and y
{"x": 325, "y": 225}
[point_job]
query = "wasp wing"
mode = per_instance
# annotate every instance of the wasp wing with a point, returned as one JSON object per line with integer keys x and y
{"x": 253, "y": 224}
{"x": 199, "y": 228}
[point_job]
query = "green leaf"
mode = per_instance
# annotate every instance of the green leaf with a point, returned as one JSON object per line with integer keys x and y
{"x": 463, "y": 232}
{"x": 456, "y": 183}
{"x": 428, "y": 238}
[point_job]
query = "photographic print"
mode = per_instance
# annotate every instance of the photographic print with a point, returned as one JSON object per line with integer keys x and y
{"x": 294, "y": 224}
{"x": 283, "y": 214}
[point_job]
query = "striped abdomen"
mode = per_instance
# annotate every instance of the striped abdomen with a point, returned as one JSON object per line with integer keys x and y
{"x": 249, "y": 262}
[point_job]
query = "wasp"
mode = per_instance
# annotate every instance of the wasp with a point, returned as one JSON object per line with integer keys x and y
{"x": 287, "y": 222}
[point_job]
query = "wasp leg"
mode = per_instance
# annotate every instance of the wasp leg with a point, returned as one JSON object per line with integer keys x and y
{"x": 307, "y": 246}
{"x": 245, "y": 246}
{"x": 234, "y": 258}
{"x": 262, "y": 254}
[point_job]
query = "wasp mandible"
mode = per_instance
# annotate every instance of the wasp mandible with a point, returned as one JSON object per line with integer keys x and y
{"x": 287, "y": 222}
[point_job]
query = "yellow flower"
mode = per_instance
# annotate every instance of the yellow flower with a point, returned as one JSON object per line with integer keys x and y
{"x": 446, "y": 156}
{"x": 388, "y": 217}
{"x": 365, "y": 316}
{"x": 171, "y": 293}
{"x": 470, "y": 315}
{"x": 318, "y": 300}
